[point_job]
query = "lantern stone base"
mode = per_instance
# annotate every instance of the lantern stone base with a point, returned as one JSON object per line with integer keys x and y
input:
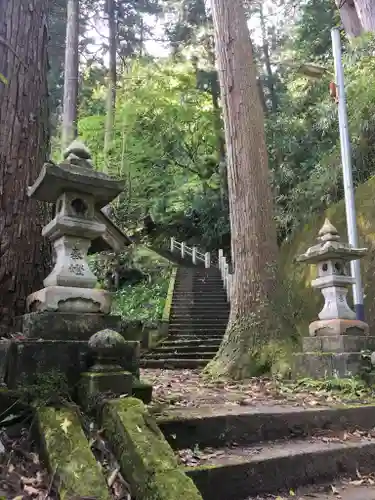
{"x": 321, "y": 365}
{"x": 334, "y": 327}
{"x": 63, "y": 326}
{"x": 34, "y": 362}
{"x": 338, "y": 343}
{"x": 70, "y": 299}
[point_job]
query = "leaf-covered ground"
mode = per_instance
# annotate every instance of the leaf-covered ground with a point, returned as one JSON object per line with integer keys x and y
{"x": 189, "y": 389}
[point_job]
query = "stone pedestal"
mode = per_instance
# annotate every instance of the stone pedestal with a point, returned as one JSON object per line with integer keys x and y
{"x": 69, "y": 325}
{"x": 336, "y": 340}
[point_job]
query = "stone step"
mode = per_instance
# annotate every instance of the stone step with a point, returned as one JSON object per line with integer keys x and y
{"x": 156, "y": 354}
{"x": 200, "y": 313}
{"x": 173, "y": 364}
{"x": 240, "y": 472}
{"x": 196, "y": 335}
{"x": 183, "y": 320}
{"x": 190, "y": 342}
{"x": 248, "y": 425}
{"x": 196, "y": 329}
{"x": 196, "y": 347}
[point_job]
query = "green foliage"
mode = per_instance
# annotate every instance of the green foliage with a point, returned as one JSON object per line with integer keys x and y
{"x": 345, "y": 387}
{"x": 144, "y": 301}
{"x": 165, "y": 151}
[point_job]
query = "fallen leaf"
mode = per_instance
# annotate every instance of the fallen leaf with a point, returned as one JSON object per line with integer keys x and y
{"x": 65, "y": 424}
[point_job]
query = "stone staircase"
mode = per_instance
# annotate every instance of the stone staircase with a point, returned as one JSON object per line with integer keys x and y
{"x": 198, "y": 317}
{"x": 282, "y": 452}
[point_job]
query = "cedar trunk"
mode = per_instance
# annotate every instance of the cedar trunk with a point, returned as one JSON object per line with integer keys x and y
{"x": 366, "y": 14}
{"x": 254, "y": 244}
{"x": 24, "y": 253}
{"x": 112, "y": 80}
{"x": 69, "y": 120}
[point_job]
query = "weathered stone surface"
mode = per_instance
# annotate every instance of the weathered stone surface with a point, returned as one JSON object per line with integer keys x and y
{"x": 326, "y": 365}
{"x": 142, "y": 391}
{"x": 106, "y": 350}
{"x": 339, "y": 343}
{"x": 146, "y": 459}
{"x": 338, "y": 326}
{"x": 65, "y": 326}
{"x": 112, "y": 383}
{"x": 70, "y": 299}
{"x": 29, "y": 359}
{"x": 68, "y": 455}
{"x": 246, "y": 425}
{"x": 4, "y": 355}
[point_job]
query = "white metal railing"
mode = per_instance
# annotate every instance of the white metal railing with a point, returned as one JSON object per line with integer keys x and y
{"x": 196, "y": 256}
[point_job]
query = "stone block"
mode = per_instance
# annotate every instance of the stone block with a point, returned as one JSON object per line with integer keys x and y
{"x": 29, "y": 359}
{"x": 70, "y": 299}
{"x": 112, "y": 383}
{"x": 67, "y": 452}
{"x": 149, "y": 463}
{"x": 65, "y": 326}
{"x": 339, "y": 343}
{"x": 326, "y": 365}
{"x": 334, "y": 327}
{"x": 142, "y": 391}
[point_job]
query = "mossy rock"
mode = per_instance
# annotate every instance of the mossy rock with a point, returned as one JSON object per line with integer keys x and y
{"x": 309, "y": 302}
{"x": 68, "y": 454}
{"x": 147, "y": 461}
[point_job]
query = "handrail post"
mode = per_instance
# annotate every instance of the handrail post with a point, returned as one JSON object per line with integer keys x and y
{"x": 229, "y": 286}
{"x": 194, "y": 255}
{"x": 172, "y": 244}
{"x": 182, "y": 250}
{"x": 207, "y": 260}
{"x": 221, "y": 255}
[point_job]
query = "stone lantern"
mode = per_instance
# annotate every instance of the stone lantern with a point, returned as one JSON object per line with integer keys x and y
{"x": 78, "y": 192}
{"x": 332, "y": 258}
{"x": 335, "y": 340}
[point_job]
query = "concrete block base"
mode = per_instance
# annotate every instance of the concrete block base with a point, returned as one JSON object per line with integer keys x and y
{"x": 320, "y": 365}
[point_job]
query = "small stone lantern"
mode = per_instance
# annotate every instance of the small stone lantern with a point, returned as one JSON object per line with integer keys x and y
{"x": 332, "y": 258}
{"x": 78, "y": 191}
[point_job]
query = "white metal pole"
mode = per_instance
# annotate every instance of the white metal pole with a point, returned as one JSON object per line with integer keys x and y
{"x": 347, "y": 172}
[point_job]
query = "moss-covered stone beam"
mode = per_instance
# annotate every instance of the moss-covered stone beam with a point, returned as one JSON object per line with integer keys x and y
{"x": 68, "y": 454}
{"x": 146, "y": 459}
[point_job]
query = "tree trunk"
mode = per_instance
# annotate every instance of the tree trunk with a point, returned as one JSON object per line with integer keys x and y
{"x": 366, "y": 14}
{"x": 349, "y": 18}
{"x": 24, "y": 140}
{"x": 112, "y": 78}
{"x": 69, "y": 122}
{"x": 254, "y": 243}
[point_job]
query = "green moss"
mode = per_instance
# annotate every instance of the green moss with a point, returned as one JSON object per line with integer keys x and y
{"x": 168, "y": 301}
{"x": 171, "y": 485}
{"x": 146, "y": 459}
{"x": 69, "y": 455}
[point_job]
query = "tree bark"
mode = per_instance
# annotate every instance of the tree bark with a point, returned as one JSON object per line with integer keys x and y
{"x": 69, "y": 121}
{"x": 112, "y": 80}
{"x": 24, "y": 139}
{"x": 254, "y": 242}
{"x": 366, "y": 14}
{"x": 349, "y": 18}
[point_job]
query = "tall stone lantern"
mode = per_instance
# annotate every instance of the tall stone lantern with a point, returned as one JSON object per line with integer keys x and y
{"x": 78, "y": 192}
{"x": 337, "y": 337}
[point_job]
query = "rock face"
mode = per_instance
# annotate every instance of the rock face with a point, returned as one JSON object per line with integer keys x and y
{"x": 306, "y": 304}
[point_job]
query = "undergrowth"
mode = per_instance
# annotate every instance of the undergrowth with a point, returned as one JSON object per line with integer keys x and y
{"x": 144, "y": 301}
{"x": 345, "y": 388}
